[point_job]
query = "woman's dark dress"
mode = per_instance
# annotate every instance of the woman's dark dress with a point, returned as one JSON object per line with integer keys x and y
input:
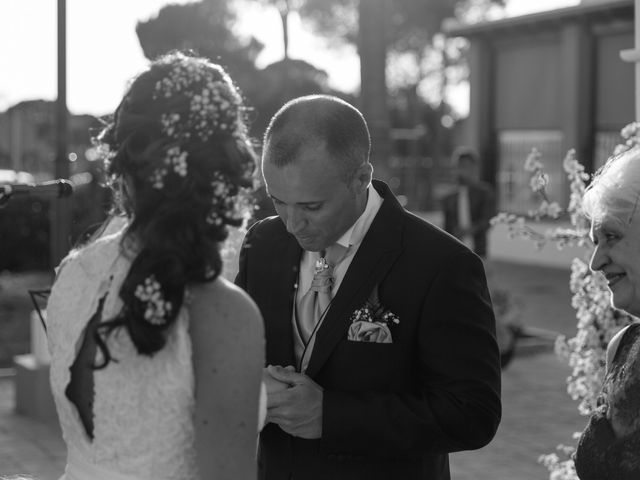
{"x": 600, "y": 455}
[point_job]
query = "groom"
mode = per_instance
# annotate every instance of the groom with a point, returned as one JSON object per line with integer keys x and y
{"x": 379, "y": 327}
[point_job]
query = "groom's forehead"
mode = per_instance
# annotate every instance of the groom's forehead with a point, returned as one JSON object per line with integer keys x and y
{"x": 292, "y": 146}
{"x": 299, "y": 183}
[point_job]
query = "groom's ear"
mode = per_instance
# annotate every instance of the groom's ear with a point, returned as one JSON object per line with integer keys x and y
{"x": 362, "y": 178}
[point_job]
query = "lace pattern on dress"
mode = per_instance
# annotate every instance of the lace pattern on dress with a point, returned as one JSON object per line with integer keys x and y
{"x": 143, "y": 408}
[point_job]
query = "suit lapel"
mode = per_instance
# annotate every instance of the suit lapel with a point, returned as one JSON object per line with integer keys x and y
{"x": 376, "y": 255}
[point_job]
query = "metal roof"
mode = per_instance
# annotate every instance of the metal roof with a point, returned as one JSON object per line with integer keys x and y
{"x": 617, "y": 8}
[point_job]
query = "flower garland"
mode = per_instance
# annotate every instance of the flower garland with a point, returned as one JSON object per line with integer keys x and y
{"x": 213, "y": 108}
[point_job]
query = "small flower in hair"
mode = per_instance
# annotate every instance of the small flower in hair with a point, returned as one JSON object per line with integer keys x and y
{"x": 175, "y": 160}
{"x": 169, "y": 122}
{"x": 178, "y": 159}
{"x": 157, "y": 308}
{"x": 227, "y": 202}
{"x": 221, "y": 199}
{"x": 157, "y": 178}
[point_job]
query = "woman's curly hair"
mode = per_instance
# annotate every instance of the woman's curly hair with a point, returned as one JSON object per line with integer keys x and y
{"x": 175, "y": 224}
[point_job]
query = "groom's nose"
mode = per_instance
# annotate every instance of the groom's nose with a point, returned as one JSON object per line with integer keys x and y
{"x": 294, "y": 220}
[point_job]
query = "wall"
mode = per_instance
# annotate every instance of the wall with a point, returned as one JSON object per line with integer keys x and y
{"x": 528, "y": 83}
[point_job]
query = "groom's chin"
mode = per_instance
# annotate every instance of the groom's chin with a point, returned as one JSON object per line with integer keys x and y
{"x": 309, "y": 244}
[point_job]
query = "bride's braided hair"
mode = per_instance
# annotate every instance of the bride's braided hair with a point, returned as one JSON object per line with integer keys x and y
{"x": 178, "y": 154}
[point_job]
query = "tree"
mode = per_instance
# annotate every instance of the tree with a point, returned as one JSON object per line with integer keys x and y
{"x": 412, "y": 23}
{"x": 372, "y": 47}
{"x": 393, "y": 30}
{"x": 415, "y": 44}
{"x": 284, "y": 7}
{"x": 204, "y": 27}
{"x": 282, "y": 81}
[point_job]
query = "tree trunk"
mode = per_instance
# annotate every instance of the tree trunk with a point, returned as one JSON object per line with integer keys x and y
{"x": 372, "y": 47}
{"x": 284, "y": 16}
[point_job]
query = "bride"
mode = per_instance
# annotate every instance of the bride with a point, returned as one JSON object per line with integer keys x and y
{"x": 156, "y": 359}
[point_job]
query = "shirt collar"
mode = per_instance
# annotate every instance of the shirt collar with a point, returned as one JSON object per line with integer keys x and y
{"x": 355, "y": 234}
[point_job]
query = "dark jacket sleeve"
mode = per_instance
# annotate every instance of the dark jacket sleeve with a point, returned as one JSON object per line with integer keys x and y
{"x": 456, "y": 403}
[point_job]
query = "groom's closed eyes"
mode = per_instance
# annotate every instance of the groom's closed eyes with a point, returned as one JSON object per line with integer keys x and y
{"x": 308, "y": 206}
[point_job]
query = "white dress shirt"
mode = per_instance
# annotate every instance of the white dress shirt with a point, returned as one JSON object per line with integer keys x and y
{"x": 352, "y": 239}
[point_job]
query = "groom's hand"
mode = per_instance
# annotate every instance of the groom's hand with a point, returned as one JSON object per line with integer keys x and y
{"x": 297, "y": 409}
{"x": 271, "y": 384}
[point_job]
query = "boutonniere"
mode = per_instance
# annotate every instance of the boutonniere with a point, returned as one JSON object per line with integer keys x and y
{"x": 372, "y": 322}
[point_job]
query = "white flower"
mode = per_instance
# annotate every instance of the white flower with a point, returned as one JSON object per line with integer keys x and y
{"x": 533, "y": 163}
{"x": 157, "y": 178}
{"x": 211, "y": 102}
{"x": 176, "y": 161}
{"x": 539, "y": 181}
{"x": 156, "y": 308}
{"x": 630, "y": 131}
{"x": 227, "y": 202}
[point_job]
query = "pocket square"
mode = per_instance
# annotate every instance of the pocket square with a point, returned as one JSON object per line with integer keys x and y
{"x": 372, "y": 332}
{"x": 371, "y": 322}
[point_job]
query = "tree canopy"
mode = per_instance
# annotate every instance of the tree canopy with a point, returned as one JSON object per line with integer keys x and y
{"x": 413, "y": 23}
{"x": 204, "y": 27}
{"x": 207, "y": 28}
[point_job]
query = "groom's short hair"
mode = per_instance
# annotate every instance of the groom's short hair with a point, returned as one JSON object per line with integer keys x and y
{"x": 321, "y": 119}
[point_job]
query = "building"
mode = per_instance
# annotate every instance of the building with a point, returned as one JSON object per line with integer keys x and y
{"x": 28, "y": 139}
{"x": 28, "y": 144}
{"x": 552, "y": 80}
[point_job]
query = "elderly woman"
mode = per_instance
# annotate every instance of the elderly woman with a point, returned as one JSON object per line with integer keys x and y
{"x": 609, "y": 447}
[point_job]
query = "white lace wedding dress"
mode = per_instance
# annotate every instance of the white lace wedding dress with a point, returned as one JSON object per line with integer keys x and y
{"x": 143, "y": 406}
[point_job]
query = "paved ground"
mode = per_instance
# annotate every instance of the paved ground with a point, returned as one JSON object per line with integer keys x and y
{"x": 27, "y": 446}
{"x": 538, "y": 414}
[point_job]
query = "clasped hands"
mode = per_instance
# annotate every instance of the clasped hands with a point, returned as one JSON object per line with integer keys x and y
{"x": 294, "y": 401}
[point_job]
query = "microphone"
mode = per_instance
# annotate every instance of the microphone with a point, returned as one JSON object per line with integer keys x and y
{"x": 52, "y": 189}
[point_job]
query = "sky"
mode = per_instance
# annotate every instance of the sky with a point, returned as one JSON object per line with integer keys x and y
{"x": 103, "y": 51}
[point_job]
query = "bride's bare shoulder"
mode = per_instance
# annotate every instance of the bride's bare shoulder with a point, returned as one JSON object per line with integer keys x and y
{"x": 224, "y": 301}
{"x": 226, "y": 332}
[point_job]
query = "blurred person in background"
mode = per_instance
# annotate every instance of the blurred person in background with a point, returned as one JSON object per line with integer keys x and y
{"x": 470, "y": 207}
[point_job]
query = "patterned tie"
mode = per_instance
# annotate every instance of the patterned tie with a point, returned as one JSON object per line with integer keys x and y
{"x": 315, "y": 303}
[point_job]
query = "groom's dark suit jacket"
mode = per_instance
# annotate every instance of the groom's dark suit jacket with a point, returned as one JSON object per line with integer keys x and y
{"x": 390, "y": 410}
